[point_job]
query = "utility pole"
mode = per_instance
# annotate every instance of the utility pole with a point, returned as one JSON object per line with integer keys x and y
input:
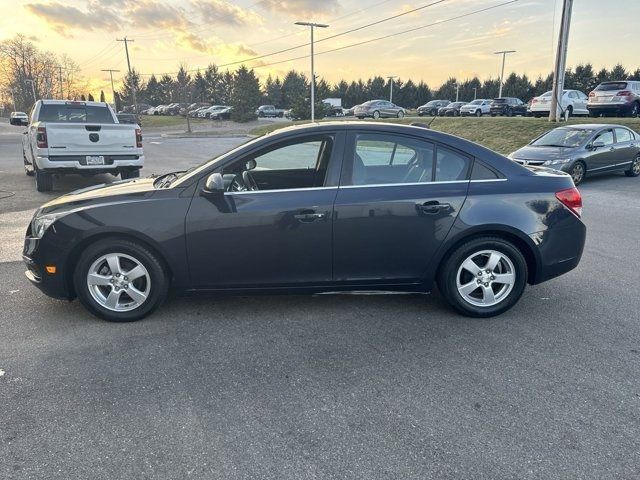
{"x": 391, "y": 78}
{"x": 312, "y": 25}
{"x": 133, "y": 86}
{"x": 504, "y": 55}
{"x": 113, "y": 91}
{"x": 33, "y": 89}
{"x": 561, "y": 61}
{"x": 475, "y": 93}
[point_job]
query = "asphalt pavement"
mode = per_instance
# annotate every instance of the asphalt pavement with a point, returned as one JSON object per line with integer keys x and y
{"x": 321, "y": 387}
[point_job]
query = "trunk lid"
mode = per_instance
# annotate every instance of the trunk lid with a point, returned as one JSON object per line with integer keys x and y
{"x": 85, "y": 139}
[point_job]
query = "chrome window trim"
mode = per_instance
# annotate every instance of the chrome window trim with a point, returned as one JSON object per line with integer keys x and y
{"x": 306, "y": 189}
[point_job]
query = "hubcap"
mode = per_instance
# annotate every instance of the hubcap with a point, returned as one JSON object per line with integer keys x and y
{"x": 485, "y": 278}
{"x": 577, "y": 173}
{"x": 118, "y": 282}
{"x": 636, "y": 166}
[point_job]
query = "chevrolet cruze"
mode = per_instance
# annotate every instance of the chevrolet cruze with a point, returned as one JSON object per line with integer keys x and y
{"x": 316, "y": 208}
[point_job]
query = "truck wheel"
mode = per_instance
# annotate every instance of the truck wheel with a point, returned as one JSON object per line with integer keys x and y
{"x": 44, "y": 181}
{"x": 127, "y": 174}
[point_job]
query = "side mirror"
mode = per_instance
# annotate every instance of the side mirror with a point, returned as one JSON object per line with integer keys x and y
{"x": 214, "y": 183}
{"x": 596, "y": 145}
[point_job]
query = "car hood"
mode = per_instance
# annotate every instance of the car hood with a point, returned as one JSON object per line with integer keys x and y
{"x": 543, "y": 153}
{"x": 101, "y": 194}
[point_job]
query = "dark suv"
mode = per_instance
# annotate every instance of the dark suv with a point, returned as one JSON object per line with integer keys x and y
{"x": 508, "y": 106}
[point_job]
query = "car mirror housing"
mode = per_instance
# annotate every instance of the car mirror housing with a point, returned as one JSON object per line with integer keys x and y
{"x": 596, "y": 145}
{"x": 214, "y": 183}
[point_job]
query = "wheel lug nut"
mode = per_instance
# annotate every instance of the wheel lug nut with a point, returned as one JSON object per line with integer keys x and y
{"x": 126, "y": 278}
{"x": 479, "y": 274}
{"x": 479, "y": 281}
{"x": 486, "y": 284}
{"x": 492, "y": 277}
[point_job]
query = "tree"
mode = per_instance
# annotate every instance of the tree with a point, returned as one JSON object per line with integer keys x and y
{"x": 199, "y": 87}
{"x": 132, "y": 81}
{"x": 90, "y": 98}
{"x": 183, "y": 85}
{"x": 83, "y": 98}
{"x": 245, "y": 95}
{"x": 166, "y": 88}
{"x": 102, "y": 98}
{"x": 153, "y": 91}
{"x": 294, "y": 87}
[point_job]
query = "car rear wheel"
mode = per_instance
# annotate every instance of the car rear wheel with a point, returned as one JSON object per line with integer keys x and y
{"x": 478, "y": 113}
{"x": 634, "y": 170}
{"x": 577, "y": 173}
{"x": 120, "y": 280}
{"x": 44, "y": 181}
{"x": 483, "y": 277}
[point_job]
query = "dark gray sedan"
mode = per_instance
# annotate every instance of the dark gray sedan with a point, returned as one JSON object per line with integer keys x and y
{"x": 582, "y": 150}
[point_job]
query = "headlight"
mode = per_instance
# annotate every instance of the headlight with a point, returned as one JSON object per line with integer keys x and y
{"x": 556, "y": 161}
{"x": 511, "y": 156}
{"x": 41, "y": 223}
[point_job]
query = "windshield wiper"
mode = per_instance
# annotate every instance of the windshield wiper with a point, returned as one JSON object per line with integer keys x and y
{"x": 552, "y": 145}
{"x": 165, "y": 180}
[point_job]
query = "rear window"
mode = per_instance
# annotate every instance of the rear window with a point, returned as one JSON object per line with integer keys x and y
{"x": 75, "y": 113}
{"x": 609, "y": 86}
{"x": 500, "y": 100}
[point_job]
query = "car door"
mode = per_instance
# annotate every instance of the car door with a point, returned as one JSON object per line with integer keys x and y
{"x": 625, "y": 146}
{"x": 398, "y": 198}
{"x": 276, "y": 235}
{"x": 604, "y": 157}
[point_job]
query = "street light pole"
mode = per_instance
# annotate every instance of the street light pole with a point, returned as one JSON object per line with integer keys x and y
{"x": 561, "y": 61}
{"x": 504, "y": 55}
{"x": 113, "y": 91}
{"x": 391, "y": 78}
{"x": 475, "y": 93}
{"x": 312, "y": 25}
{"x": 457, "y": 91}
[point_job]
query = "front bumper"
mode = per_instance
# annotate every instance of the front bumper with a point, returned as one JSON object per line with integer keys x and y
{"x": 37, "y": 254}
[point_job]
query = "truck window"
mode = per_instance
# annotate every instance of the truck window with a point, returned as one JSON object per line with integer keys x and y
{"x": 75, "y": 113}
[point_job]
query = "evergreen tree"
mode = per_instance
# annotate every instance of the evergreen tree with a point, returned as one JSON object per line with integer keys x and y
{"x": 423, "y": 94}
{"x": 166, "y": 89}
{"x": 618, "y": 73}
{"x": 211, "y": 84}
{"x": 90, "y": 98}
{"x": 183, "y": 85}
{"x": 199, "y": 87}
{"x": 153, "y": 92}
{"x": 245, "y": 95}
{"x": 294, "y": 88}
{"x": 83, "y": 98}
{"x": 131, "y": 81}
{"x": 376, "y": 89}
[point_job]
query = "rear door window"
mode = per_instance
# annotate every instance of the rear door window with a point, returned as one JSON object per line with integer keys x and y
{"x": 623, "y": 135}
{"x": 451, "y": 165}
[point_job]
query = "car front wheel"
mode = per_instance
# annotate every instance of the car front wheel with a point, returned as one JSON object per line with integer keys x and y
{"x": 577, "y": 173}
{"x": 120, "y": 280}
{"x": 483, "y": 277}
{"x": 376, "y": 115}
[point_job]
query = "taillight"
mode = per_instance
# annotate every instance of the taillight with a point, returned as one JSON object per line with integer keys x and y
{"x": 571, "y": 199}
{"x": 534, "y": 100}
{"x": 592, "y": 94}
{"x": 624, "y": 93}
{"x": 138, "y": 138}
{"x": 41, "y": 137}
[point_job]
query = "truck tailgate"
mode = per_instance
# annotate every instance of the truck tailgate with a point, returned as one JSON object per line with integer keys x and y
{"x": 84, "y": 139}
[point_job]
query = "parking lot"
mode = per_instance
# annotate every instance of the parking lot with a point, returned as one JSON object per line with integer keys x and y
{"x": 323, "y": 386}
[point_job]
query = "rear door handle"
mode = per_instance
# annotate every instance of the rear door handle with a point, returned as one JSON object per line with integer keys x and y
{"x": 432, "y": 207}
{"x": 309, "y": 216}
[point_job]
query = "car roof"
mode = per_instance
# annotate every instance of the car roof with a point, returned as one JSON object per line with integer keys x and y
{"x": 593, "y": 126}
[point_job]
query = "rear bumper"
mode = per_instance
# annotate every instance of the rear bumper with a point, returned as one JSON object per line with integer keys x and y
{"x": 69, "y": 163}
{"x": 560, "y": 250}
{"x": 610, "y": 108}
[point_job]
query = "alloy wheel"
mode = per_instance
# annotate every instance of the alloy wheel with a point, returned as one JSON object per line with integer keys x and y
{"x": 118, "y": 282}
{"x": 486, "y": 278}
{"x": 577, "y": 173}
{"x": 635, "y": 166}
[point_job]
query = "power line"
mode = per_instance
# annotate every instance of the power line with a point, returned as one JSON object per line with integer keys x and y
{"x": 295, "y": 47}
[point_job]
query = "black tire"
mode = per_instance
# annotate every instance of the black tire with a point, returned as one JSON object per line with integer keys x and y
{"x": 509, "y": 112}
{"x": 44, "y": 181}
{"x": 434, "y": 113}
{"x": 493, "y": 114}
{"x": 128, "y": 174}
{"x": 376, "y": 115}
{"x": 360, "y": 118}
{"x": 578, "y": 171}
{"x": 447, "y": 278}
{"x": 568, "y": 113}
{"x": 400, "y": 114}
{"x": 634, "y": 112}
{"x": 158, "y": 276}
{"x": 634, "y": 169}
{"x": 478, "y": 113}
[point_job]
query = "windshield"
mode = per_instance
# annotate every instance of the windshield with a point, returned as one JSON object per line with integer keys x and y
{"x": 476, "y": 102}
{"x": 184, "y": 177}
{"x": 77, "y": 113}
{"x": 456, "y": 104}
{"x": 562, "y": 137}
{"x": 609, "y": 86}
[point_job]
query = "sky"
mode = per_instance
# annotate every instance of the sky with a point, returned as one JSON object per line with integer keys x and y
{"x": 194, "y": 33}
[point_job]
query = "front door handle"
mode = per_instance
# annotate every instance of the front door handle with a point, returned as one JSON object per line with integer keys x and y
{"x": 432, "y": 207}
{"x": 309, "y": 216}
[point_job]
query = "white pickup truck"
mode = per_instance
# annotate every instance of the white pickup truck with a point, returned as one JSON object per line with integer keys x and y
{"x": 69, "y": 137}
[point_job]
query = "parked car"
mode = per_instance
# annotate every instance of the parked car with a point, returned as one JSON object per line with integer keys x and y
{"x": 333, "y": 107}
{"x": 18, "y": 118}
{"x": 476, "y": 108}
{"x": 158, "y": 110}
{"x": 431, "y": 108}
{"x": 413, "y": 208}
{"x": 619, "y": 98}
{"x": 79, "y": 138}
{"x": 508, "y": 106}
{"x": 451, "y": 110}
{"x": 573, "y": 102}
{"x": 128, "y": 118}
{"x": 582, "y": 150}
{"x": 223, "y": 113}
{"x": 269, "y": 111}
{"x": 174, "y": 109}
{"x": 196, "y": 113}
{"x": 206, "y": 113}
{"x": 348, "y": 112}
{"x": 378, "y": 109}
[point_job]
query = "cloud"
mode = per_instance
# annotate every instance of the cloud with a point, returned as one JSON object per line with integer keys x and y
{"x": 151, "y": 14}
{"x": 222, "y": 12}
{"x": 303, "y": 8}
{"x": 63, "y": 18}
{"x": 215, "y": 46}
